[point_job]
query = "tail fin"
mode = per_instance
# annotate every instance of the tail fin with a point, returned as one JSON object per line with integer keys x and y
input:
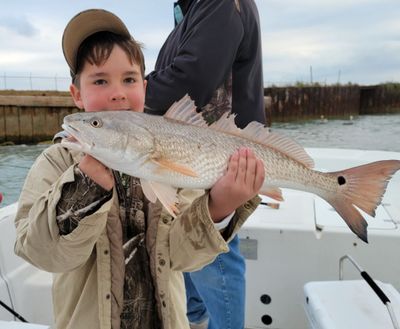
{"x": 361, "y": 186}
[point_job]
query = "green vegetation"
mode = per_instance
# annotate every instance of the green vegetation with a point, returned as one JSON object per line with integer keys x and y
{"x": 34, "y": 92}
{"x": 302, "y": 84}
{"x": 392, "y": 86}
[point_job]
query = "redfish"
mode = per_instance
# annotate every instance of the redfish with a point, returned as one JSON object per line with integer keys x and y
{"x": 179, "y": 150}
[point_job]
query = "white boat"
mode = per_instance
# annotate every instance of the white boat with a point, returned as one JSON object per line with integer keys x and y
{"x": 304, "y": 240}
{"x": 287, "y": 251}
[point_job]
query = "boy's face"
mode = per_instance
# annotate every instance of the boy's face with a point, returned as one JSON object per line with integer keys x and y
{"x": 113, "y": 86}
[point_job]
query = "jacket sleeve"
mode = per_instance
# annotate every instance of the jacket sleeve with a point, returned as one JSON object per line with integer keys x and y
{"x": 194, "y": 241}
{"x": 38, "y": 238}
{"x": 78, "y": 200}
{"x": 206, "y": 53}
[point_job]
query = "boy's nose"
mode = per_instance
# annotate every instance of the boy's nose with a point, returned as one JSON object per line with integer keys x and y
{"x": 117, "y": 93}
{"x": 118, "y": 96}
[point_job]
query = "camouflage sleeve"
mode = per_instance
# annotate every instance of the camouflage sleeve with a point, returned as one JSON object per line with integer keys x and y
{"x": 79, "y": 199}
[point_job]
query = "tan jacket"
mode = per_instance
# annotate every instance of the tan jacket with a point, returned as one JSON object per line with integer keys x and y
{"x": 88, "y": 281}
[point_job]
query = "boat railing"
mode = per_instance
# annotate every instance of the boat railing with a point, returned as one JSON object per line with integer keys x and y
{"x": 378, "y": 291}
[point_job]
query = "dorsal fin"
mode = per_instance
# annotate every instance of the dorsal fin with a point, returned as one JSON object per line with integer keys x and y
{"x": 259, "y": 133}
{"x": 184, "y": 111}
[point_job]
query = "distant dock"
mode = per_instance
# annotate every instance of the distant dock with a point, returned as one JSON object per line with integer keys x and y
{"x": 32, "y": 119}
{"x": 284, "y": 104}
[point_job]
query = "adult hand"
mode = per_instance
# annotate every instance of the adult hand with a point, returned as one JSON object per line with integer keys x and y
{"x": 242, "y": 181}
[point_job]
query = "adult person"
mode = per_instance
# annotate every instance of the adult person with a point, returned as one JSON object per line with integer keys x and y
{"x": 214, "y": 55}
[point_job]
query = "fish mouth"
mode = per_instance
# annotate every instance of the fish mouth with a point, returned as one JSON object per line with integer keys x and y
{"x": 74, "y": 141}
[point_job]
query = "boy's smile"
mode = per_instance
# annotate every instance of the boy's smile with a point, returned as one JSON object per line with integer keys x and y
{"x": 117, "y": 84}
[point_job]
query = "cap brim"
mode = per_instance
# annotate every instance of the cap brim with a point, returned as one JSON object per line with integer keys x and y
{"x": 84, "y": 25}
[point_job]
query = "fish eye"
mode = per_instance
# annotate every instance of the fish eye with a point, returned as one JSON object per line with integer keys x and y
{"x": 96, "y": 123}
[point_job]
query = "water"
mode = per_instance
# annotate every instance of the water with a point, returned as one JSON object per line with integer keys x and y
{"x": 365, "y": 132}
{"x": 15, "y": 162}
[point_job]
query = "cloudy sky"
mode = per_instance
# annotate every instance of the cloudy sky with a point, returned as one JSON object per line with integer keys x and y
{"x": 342, "y": 41}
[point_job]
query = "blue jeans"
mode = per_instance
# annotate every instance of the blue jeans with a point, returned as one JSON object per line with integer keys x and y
{"x": 217, "y": 291}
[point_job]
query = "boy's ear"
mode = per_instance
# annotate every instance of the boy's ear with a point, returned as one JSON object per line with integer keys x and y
{"x": 76, "y": 96}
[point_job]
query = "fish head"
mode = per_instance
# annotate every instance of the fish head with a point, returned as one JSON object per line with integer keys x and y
{"x": 112, "y": 137}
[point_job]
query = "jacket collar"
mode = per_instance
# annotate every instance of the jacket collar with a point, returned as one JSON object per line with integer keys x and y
{"x": 181, "y": 7}
{"x": 184, "y": 4}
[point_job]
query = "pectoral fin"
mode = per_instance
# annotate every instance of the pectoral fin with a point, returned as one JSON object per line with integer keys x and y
{"x": 165, "y": 193}
{"x": 272, "y": 192}
{"x": 148, "y": 190}
{"x": 166, "y": 164}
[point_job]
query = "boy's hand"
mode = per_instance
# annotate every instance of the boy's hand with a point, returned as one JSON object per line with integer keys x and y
{"x": 97, "y": 171}
{"x": 242, "y": 181}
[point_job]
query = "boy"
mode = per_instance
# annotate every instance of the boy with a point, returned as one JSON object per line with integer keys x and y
{"x": 118, "y": 258}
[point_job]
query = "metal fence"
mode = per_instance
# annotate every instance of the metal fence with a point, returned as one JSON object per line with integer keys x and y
{"x": 32, "y": 82}
{"x": 61, "y": 83}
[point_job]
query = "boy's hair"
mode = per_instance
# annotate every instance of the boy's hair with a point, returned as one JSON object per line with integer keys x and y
{"x": 96, "y": 49}
{"x": 91, "y": 35}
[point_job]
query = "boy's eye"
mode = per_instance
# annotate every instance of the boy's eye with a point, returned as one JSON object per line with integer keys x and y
{"x": 100, "y": 82}
{"x": 130, "y": 80}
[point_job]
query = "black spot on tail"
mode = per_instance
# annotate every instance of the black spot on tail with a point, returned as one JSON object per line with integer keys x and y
{"x": 341, "y": 180}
